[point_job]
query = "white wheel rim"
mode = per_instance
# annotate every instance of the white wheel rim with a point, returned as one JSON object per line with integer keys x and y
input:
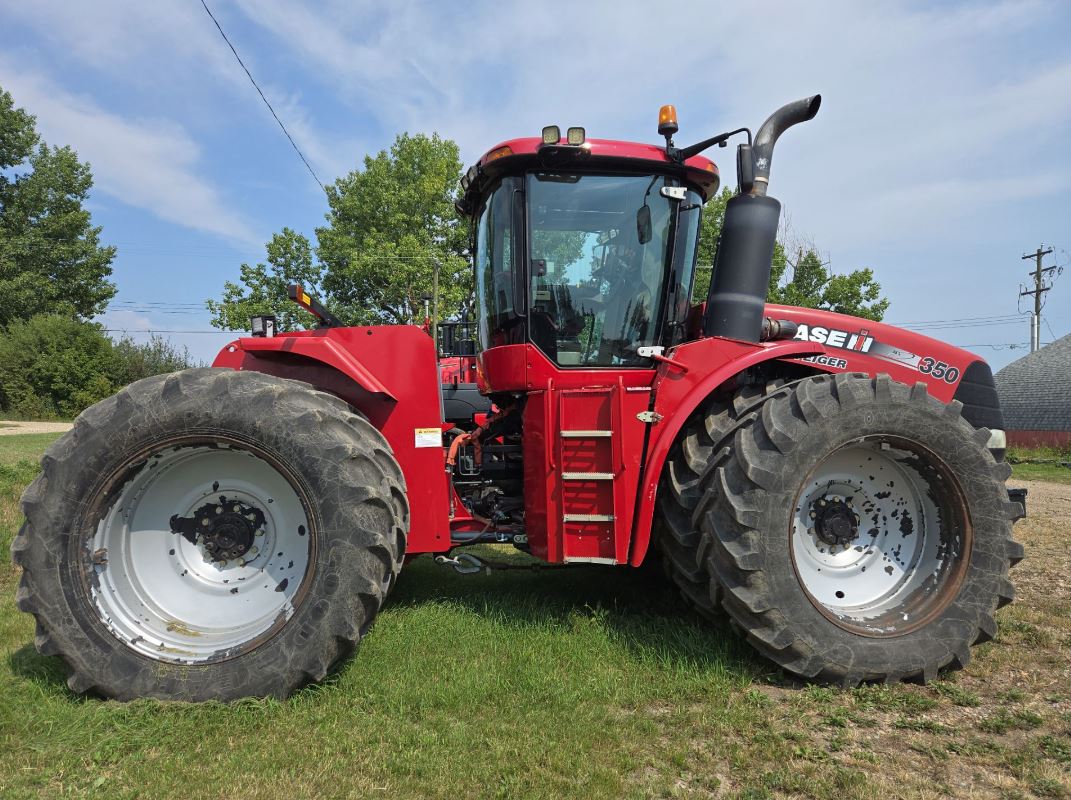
{"x": 165, "y": 596}
{"x": 907, "y": 551}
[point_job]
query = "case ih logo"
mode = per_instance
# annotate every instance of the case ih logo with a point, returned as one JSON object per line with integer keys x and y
{"x": 860, "y": 341}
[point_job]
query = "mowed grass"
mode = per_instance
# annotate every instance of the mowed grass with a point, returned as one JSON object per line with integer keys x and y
{"x": 591, "y": 683}
{"x": 1046, "y": 464}
{"x": 26, "y": 448}
{"x": 1052, "y": 473}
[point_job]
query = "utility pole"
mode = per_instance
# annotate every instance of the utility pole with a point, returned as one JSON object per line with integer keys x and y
{"x": 1037, "y": 291}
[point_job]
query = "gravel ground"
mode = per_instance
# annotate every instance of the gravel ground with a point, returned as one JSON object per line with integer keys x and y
{"x": 1045, "y": 500}
{"x": 11, "y": 428}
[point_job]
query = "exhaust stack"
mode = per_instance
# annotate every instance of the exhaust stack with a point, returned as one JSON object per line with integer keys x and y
{"x": 739, "y": 285}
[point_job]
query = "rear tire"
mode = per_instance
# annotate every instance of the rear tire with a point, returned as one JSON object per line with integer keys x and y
{"x": 295, "y": 521}
{"x": 800, "y": 592}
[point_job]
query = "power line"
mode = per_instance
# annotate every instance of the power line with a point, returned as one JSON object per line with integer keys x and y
{"x": 1051, "y": 331}
{"x": 185, "y": 311}
{"x": 1008, "y": 345}
{"x": 262, "y": 97}
{"x": 132, "y": 303}
{"x": 962, "y": 325}
{"x": 960, "y": 322}
{"x": 161, "y": 330}
{"x": 955, "y": 319}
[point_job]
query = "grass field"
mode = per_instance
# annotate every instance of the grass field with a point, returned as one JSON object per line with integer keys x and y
{"x": 25, "y": 448}
{"x": 1050, "y": 467}
{"x": 587, "y": 683}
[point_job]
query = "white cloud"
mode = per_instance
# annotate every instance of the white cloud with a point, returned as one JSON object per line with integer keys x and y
{"x": 938, "y": 153}
{"x": 149, "y": 164}
{"x": 156, "y": 42}
{"x": 170, "y": 51}
{"x": 940, "y": 123}
{"x": 329, "y": 157}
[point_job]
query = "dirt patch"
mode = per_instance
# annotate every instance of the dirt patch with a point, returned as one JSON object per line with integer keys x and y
{"x": 999, "y": 729}
{"x": 12, "y": 428}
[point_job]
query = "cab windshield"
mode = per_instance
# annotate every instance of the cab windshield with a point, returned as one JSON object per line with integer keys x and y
{"x": 605, "y": 257}
{"x": 599, "y": 248}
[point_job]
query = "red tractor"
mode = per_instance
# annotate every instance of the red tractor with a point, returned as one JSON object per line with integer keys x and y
{"x": 835, "y": 486}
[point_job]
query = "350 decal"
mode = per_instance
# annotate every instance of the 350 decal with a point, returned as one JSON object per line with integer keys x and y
{"x": 939, "y": 369}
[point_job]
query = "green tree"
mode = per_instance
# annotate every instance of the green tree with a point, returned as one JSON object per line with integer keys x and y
{"x": 54, "y": 366}
{"x": 813, "y": 286}
{"x": 262, "y": 287}
{"x": 559, "y": 249}
{"x": 133, "y": 361}
{"x": 392, "y": 236}
{"x": 804, "y": 281}
{"x": 709, "y": 233}
{"x": 51, "y": 259}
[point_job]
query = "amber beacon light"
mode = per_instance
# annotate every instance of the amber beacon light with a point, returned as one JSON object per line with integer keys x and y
{"x": 667, "y": 120}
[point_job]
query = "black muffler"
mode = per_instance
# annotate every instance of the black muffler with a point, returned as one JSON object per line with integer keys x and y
{"x": 744, "y": 258}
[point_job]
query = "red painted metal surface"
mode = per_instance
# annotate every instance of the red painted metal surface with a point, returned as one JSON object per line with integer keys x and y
{"x": 588, "y": 496}
{"x": 825, "y": 342}
{"x": 530, "y": 145}
{"x": 709, "y": 364}
{"x": 457, "y": 369}
{"x": 906, "y": 356}
{"x": 572, "y": 401}
{"x": 390, "y": 373}
{"x": 700, "y": 170}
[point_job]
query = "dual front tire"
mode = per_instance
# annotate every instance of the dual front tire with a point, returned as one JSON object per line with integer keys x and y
{"x": 210, "y": 534}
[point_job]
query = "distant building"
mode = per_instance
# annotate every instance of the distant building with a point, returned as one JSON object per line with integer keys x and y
{"x": 1035, "y": 396}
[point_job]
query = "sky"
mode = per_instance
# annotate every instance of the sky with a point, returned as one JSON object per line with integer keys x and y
{"x": 939, "y": 156}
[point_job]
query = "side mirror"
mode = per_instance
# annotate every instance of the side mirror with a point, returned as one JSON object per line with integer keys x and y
{"x": 643, "y": 224}
{"x": 745, "y": 169}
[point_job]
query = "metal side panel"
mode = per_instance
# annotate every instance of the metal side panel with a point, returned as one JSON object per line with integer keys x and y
{"x": 389, "y": 373}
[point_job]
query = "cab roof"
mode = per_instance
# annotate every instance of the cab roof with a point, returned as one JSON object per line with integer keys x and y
{"x": 517, "y": 155}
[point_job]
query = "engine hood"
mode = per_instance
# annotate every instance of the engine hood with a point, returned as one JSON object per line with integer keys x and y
{"x": 853, "y": 344}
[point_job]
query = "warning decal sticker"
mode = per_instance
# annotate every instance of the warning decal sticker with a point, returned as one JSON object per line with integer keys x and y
{"x": 428, "y": 437}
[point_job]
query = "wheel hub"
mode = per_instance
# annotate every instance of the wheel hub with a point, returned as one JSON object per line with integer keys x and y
{"x": 835, "y": 521}
{"x": 871, "y": 536}
{"x": 226, "y": 529}
{"x": 228, "y": 569}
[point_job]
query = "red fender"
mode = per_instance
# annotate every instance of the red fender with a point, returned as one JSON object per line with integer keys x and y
{"x": 391, "y": 374}
{"x": 689, "y": 374}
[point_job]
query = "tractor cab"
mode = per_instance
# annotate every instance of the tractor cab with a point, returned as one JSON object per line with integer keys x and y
{"x": 584, "y": 249}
